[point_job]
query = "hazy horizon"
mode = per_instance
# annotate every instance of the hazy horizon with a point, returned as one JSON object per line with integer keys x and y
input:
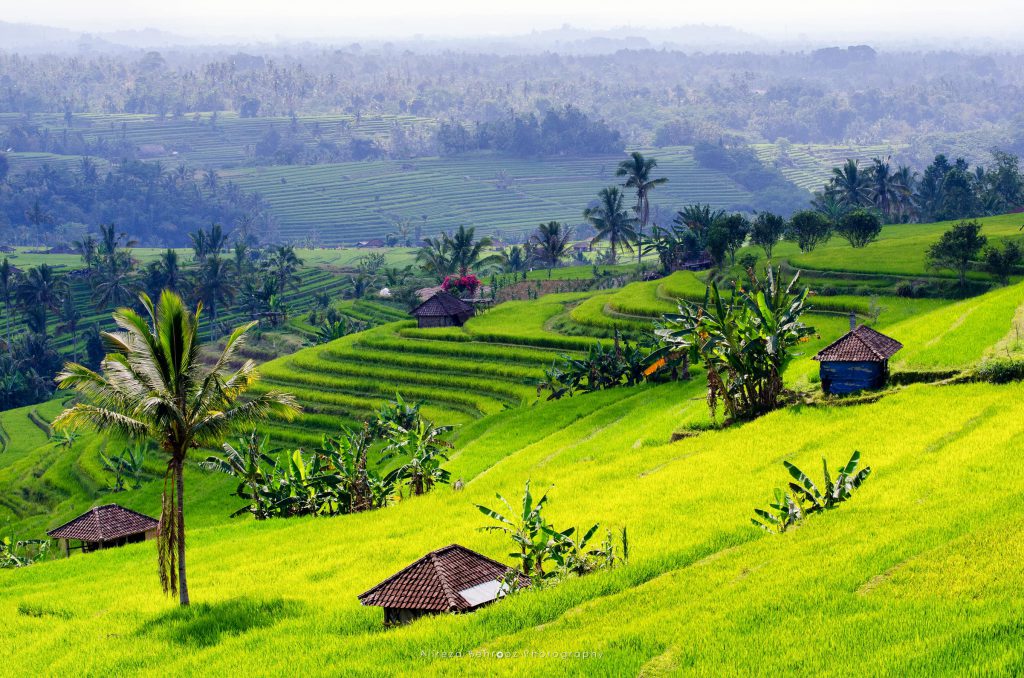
{"x": 313, "y": 20}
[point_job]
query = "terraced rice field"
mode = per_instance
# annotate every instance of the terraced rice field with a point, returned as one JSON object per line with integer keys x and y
{"x": 200, "y": 142}
{"x": 346, "y": 202}
{"x": 809, "y": 166}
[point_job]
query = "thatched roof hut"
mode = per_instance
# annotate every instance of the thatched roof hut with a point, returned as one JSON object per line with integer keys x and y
{"x": 452, "y": 579}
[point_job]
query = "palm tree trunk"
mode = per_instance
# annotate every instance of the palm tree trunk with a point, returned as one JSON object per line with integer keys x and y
{"x": 179, "y": 480}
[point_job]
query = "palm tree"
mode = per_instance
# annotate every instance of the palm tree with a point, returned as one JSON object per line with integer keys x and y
{"x": 170, "y": 271}
{"x": 514, "y": 259}
{"x": 87, "y": 247}
{"x": 884, "y": 189}
{"x": 435, "y": 257}
{"x": 467, "y": 251}
{"x": 154, "y": 386}
{"x": 215, "y": 286}
{"x": 70, "y": 316}
{"x": 637, "y": 171}
{"x": 611, "y": 220}
{"x": 284, "y": 264}
{"x": 241, "y": 258}
{"x": 906, "y": 183}
{"x": 8, "y": 285}
{"x": 850, "y": 185}
{"x": 117, "y": 285}
{"x": 41, "y": 291}
{"x": 552, "y": 240}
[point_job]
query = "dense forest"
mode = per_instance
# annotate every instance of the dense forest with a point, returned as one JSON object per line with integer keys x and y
{"x": 670, "y": 97}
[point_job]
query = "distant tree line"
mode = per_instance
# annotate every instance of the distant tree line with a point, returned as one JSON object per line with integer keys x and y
{"x": 826, "y": 96}
{"x": 943, "y": 191}
{"x": 154, "y": 205}
{"x": 568, "y": 132}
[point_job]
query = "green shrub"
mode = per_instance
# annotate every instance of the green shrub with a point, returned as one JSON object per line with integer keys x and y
{"x": 1001, "y": 370}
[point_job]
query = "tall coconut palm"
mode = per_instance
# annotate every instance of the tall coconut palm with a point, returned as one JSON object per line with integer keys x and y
{"x": 87, "y": 248}
{"x": 216, "y": 286}
{"x": 883, "y": 188}
{"x": 850, "y": 185}
{"x": 435, "y": 257}
{"x": 170, "y": 271}
{"x": 70, "y": 317}
{"x": 284, "y": 266}
{"x": 467, "y": 252}
{"x": 906, "y": 184}
{"x": 552, "y": 241}
{"x": 41, "y": 291}
{"x": 117, "y": 285}
{"x": 611, "y": 220}
{"x": 637, "y": 171}
{"x": 8, "y": 286}
{"x": 154, "y": 386}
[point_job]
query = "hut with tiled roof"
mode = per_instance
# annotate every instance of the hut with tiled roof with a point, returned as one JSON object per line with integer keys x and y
{"x": 857, "y": 361}
{"x": 103, "y": 527}
{"x": 443, "y": 310}
{"x": 452, "y": 579}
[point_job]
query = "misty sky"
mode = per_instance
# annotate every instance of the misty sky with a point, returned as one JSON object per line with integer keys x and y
{"x": 320, "y": 19}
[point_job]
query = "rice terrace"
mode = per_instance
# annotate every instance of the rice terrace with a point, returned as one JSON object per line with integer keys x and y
{"x": 383, "y": 344}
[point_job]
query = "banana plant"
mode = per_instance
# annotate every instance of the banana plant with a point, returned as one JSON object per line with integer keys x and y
{"x": 789, "y": 509}
{"x": 526, "y": 529}
{"x": 253, "y": 467}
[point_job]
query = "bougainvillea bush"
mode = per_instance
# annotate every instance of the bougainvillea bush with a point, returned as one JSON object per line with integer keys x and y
{"x": 461, "y": 285}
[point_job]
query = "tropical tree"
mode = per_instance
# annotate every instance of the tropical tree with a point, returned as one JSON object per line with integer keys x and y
{"x": 732, "y": 230}
{"x": 154, "y": 386}
{"x": 859, "y": 227}
{"x": 70, "y": 316}
{"x": 40, "y": 291}
{"x": 424, "y": 445}
{"x": 1003, "y": 261}
{"x": 435, "y": 257}
{"x": 552, "y": 243}
{"x": 466, "y": 251}
{"x": 884, "y": 187}
{"x": 284, "y": 265}
{"x": 808, "y": 229}
{"x": 957, "y": 248}
{"x": 744, "y": 342}
{"x": 87, "y": 248}
{"x": 216, "y": 285}
{"x": 612, "y": 222}
{"x": 850, "y": 185}
{"x": 250, "y": 466}
{"x": 170, "y": 271}
{"x": 527, "y": 530}
{"x": 514, "y": 259}
{"x": 637, "y": 170}
{"x": 766, "y": 231}
{"x": 8, "y": 288}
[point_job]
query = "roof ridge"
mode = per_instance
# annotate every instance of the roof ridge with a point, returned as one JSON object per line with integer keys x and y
{"x": 866, "y": 344}
{"x": 445, "y": 585}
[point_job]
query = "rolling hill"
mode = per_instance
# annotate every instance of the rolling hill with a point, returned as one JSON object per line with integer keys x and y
{"x": 916, "y": 575}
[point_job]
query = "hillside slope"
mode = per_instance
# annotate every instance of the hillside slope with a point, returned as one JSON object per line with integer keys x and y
{"x": 910, "y": 577}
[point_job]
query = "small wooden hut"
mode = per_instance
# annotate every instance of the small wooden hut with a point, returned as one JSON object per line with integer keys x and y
{"x": 857, "y": 361}
{"x": 453, "y": 579}
{"x": 443, "y": 310}
{"x": 103, "y": 527}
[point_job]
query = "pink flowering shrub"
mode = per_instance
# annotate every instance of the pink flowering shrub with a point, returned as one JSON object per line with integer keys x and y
{"x": 462, "y": 285}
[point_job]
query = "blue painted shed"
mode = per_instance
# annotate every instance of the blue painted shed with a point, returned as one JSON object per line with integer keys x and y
{"x": 857, "y": 361}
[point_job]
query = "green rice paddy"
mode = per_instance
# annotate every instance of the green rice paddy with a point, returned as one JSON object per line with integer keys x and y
{"x": 917, "y": 575}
